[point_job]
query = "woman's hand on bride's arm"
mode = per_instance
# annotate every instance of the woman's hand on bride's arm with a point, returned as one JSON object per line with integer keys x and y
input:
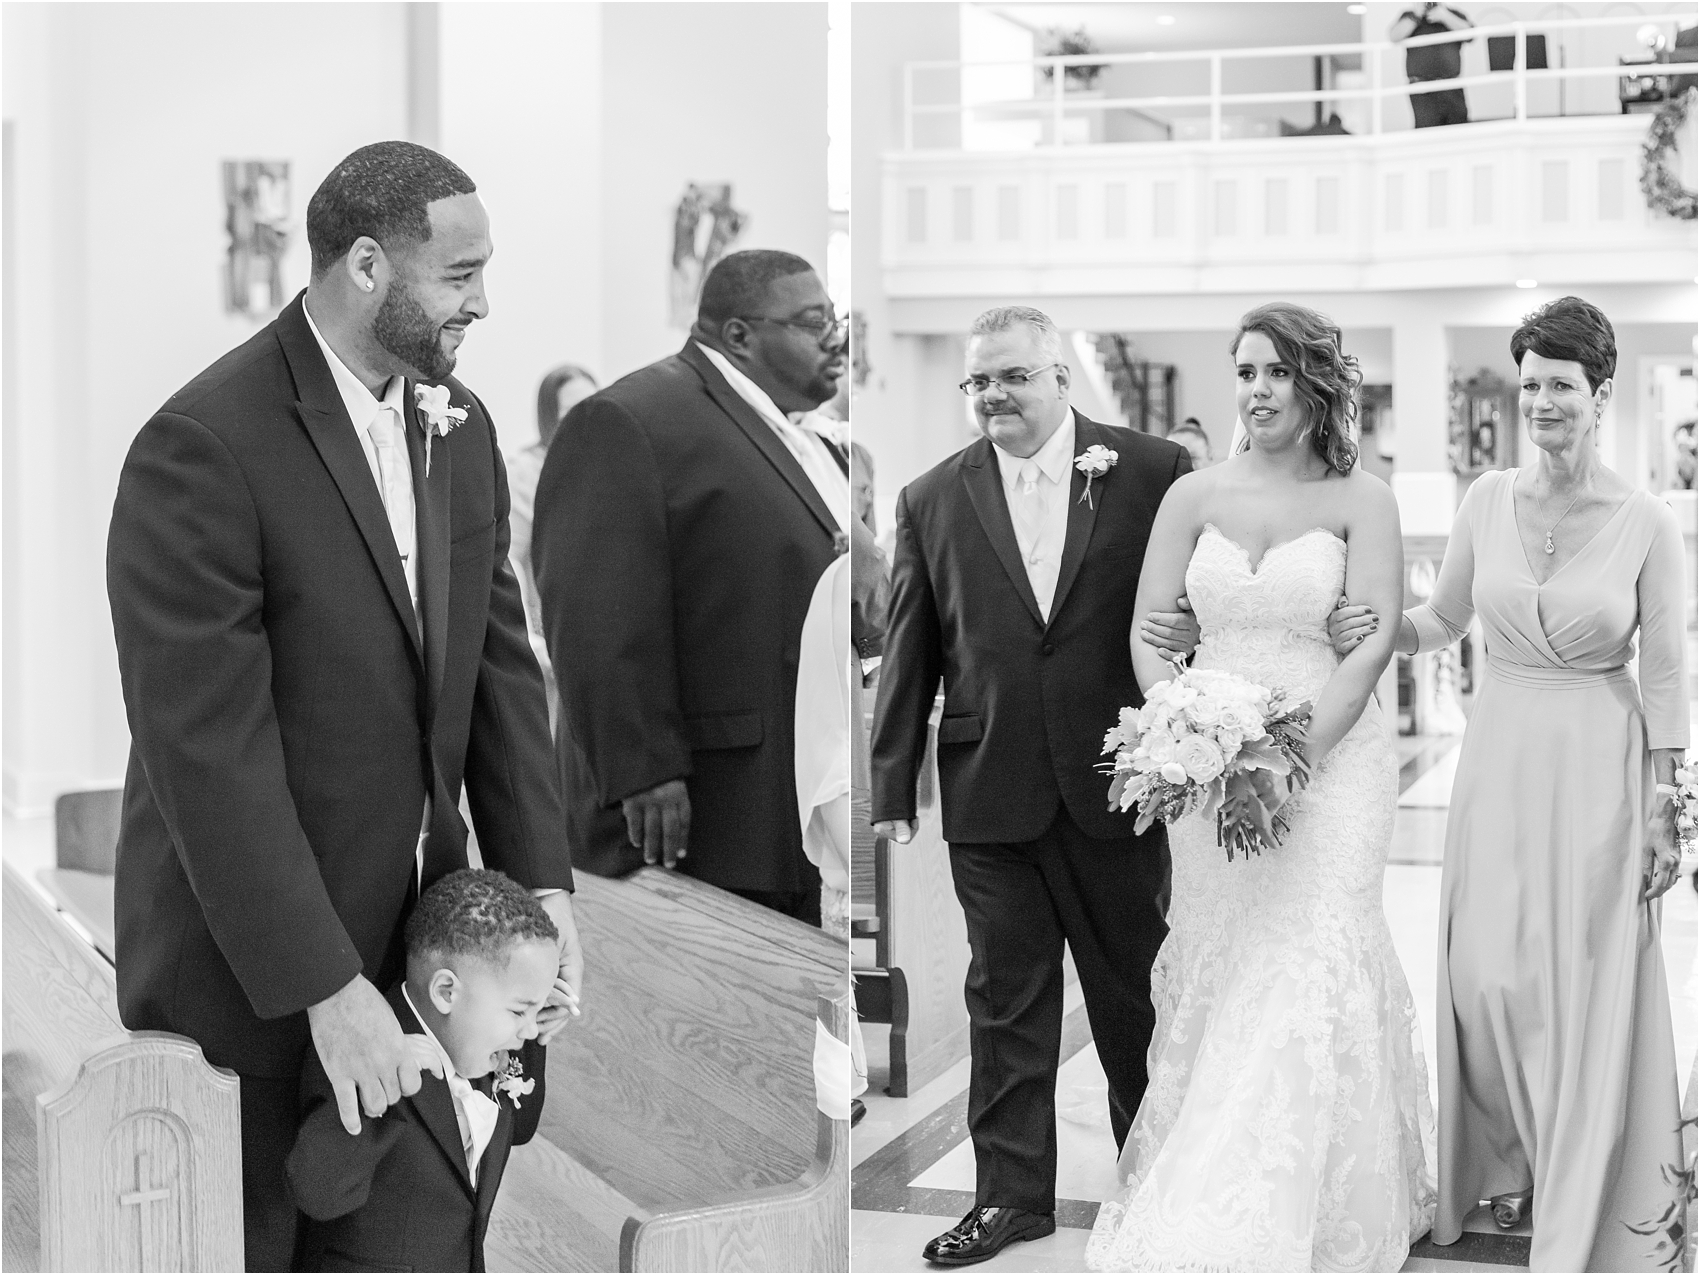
{"x": 1375, "y": 572}
{"x": 1349, "y": 625}
{"x": 1175, "y": 631}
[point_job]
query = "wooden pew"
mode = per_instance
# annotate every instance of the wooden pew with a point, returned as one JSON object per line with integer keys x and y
{"x": 920, "y": 937}
{"x": 681, "y": 1131}
{"x": 121, "y": 1150}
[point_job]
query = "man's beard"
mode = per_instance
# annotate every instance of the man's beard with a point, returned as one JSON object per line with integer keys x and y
{"x": 403, "y": 329}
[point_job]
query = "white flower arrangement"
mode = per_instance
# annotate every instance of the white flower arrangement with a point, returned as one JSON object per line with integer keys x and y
{"x": 433, "y": 404}
{"x": 1096, "y": 461}
{"x": 513, "y": 1083}
{"x": 1214, "y": 742}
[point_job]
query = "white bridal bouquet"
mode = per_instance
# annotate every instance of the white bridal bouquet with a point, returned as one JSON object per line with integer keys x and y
{"x": 1214, "y": 742}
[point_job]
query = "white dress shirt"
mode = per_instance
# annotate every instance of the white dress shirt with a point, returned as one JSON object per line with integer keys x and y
{"x": 1037, "y": 489}
{"x": 801, "y": 434}
{"x": 475, "y": 1114}
{"x": 392, "y": 470}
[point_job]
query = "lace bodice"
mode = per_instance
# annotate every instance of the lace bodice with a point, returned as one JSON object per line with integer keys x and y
{"x": 1268, "y": 623}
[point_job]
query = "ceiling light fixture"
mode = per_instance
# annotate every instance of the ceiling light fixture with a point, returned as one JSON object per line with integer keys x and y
{"x": 1357, "y": 10}
{"x": 1165, "y": 19}
{"x": 1527, "y": 283}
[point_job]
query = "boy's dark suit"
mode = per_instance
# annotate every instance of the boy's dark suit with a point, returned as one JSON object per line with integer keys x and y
{"x": 1036, "y": 854}
{"x": 398, "y": 1197}
{"x": 677, "y": 543}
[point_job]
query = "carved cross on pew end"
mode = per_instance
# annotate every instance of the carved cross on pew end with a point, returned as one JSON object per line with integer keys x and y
{"x": 144, "y": 1195}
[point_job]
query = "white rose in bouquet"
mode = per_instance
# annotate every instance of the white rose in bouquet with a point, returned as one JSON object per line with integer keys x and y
{"x": 1200, "y": 758}
{"x": 1160, "y": 747}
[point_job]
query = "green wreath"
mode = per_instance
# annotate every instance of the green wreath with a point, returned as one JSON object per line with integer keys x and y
{"x": 1659, "y": 184}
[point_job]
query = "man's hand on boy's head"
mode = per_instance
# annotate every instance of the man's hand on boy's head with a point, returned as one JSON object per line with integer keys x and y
{"x": 563, "y": 1001}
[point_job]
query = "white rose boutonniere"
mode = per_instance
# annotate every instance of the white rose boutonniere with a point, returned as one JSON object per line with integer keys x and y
{"x": 512, "y": 1083}
{"x": 433, "y": 404}
{"x": 1094, "y": 462}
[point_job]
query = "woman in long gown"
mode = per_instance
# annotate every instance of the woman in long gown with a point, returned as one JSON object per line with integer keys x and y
{"x": 1287, "y": 1123}
{"x": 1557, "y": 1064}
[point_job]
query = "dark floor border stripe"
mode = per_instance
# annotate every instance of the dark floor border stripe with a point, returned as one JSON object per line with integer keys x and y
{"x": 880, "y": 1184}
{"x": 1425, "y": 759}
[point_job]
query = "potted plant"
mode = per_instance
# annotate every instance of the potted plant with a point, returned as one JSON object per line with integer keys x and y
{"x": 1061, "y": 43}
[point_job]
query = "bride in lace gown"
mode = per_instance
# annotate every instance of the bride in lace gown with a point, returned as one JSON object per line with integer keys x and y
{"x": 1287, "y": 1125}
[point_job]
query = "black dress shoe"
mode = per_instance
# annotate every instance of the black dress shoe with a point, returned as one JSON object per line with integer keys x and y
{"x": 984, "y": 1233}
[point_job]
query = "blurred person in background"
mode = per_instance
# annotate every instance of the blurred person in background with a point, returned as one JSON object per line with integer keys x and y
{"x": 1190, "y": 435}
{"x": 558, "y": 393}
{"x": 1433, "y": 62}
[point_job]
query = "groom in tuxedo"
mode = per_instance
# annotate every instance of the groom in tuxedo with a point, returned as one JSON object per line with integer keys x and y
{"x": 1016, "y": 565}
{"x": 320, "y": 640}
{"x": 684, "y": 515}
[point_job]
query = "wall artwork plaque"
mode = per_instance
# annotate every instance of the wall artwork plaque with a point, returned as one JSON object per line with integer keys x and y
{"x": 256, "y": 215}
{"x": 705, "y": 228}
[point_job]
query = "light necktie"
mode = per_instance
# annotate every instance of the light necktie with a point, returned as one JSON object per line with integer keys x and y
{"x": 1028, "y": 505}
{"x": 479, "y": 1120}
{"x": 397, "y": 487}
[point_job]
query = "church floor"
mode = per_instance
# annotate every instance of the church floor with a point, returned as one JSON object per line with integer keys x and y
{"x": 913, "y": 1174}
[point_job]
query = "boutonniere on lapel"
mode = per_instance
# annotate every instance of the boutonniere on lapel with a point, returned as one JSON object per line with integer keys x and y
{"x": 513, "y": 1083}
{"x": 1094, "y": 462}
{"x": 433, "y": 404}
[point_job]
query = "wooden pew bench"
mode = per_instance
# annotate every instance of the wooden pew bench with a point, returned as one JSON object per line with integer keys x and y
{"x": 905, "y": 901}
{"x": 681, "y": 1130}
{"x": 122, "y": 1149}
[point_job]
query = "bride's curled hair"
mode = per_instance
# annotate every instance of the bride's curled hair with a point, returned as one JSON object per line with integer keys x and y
{"x": 1325, "y": 377}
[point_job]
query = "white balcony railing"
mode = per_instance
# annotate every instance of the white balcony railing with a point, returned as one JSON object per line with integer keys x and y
{"x": 1478, "y": 205}
{"x": 1219, "y": 108}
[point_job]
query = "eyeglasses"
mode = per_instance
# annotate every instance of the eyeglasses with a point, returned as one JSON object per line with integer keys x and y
{"x": 1009, "y": 382}
{"x": 829, "y": 331}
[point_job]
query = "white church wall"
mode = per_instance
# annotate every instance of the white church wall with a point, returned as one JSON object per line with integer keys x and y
{"x": 120, "y": 116}
{"x": 696, "y": 92}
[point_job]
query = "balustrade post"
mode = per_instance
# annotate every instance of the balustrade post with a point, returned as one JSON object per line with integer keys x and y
{"x": 1215, "y": 97}
{"x": 1372, "y": 55}
{"x": 1520, "y": 72}
{"x": 909, "y": 106}
{"x": 1058, "y": 74}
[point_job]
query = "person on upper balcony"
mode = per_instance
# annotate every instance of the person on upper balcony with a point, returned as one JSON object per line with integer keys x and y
{"x": 1433, "y": 62}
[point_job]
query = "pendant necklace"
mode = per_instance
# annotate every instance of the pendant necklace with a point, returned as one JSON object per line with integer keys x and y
{"x": 1548, "y": 546}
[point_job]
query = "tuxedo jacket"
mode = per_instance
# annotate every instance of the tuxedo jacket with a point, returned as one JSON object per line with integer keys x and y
{"x": 677, "y": 543}
{"x": 1026, "y": 702}
{"x": 398, "y": 1196}
{"x": 289, "y": 716}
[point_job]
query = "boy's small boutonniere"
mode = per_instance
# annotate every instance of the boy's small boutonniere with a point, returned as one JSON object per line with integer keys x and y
{"x": 433, "y": 404}
{"x": 1094, "y": 462}
{"x": 512, "y": 1082}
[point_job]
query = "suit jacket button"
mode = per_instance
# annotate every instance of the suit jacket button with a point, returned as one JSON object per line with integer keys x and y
{"x": 1048, "y": 648}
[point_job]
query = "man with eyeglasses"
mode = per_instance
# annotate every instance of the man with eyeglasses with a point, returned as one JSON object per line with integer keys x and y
{"x": 684, "y": 516}
{"x": 1013, "y": 582}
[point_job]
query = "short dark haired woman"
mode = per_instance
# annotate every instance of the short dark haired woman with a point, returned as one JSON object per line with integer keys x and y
{"x": 1558, "y": 1085}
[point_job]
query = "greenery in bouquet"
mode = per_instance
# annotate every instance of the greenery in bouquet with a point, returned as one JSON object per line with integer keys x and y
{"x": 1214, "y": 743}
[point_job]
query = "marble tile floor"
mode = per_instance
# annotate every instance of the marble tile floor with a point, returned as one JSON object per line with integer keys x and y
{"x": 913, "y": 1173}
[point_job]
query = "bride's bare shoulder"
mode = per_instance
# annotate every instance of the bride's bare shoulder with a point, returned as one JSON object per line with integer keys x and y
{"x": 1363, "y": 497}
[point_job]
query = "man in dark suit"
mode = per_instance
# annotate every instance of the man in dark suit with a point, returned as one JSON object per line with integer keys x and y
{"x": 1016, "y": 565}
{"x": 320, "y": 640}
{"x": 683, "y": 517}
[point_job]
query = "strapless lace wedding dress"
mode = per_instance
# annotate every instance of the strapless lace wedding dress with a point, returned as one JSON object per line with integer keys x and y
{"x": 1287, "y": 1125}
